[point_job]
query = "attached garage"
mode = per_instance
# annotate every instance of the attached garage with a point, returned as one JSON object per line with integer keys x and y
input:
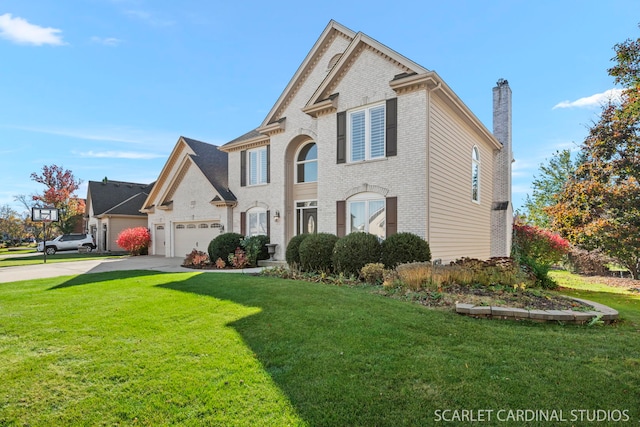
{"x": 194, "y": 235}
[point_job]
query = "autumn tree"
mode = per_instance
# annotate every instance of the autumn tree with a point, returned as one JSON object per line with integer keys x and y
{"x": 547, "y": 185}
{"x": 61, "y": 186}
{"x": 11, "y": 224}
{"x": 600, "y": 206}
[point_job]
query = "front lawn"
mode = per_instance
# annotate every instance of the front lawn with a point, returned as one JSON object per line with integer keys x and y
{"x": 58, "y": 257}
{"x": 148, "y": 348}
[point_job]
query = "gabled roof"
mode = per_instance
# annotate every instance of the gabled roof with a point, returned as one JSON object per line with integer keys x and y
{"x": 324, "y": 99}
{"x": 213, "y": 164}
{"x": 188, "y": 152}
{"x": 332, "y": 30}
{"x": 117, "y": 197}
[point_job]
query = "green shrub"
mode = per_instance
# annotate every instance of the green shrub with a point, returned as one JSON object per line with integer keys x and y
{"x": 373, "y": 273}
{"x": 316, "y": 251}
{"x": 402, "y": 248}
{"x": 255, "y": 248}
{"x": 353, "y": 251}
{"x": 223, "y": 245}
{"x": 292, "y": 254}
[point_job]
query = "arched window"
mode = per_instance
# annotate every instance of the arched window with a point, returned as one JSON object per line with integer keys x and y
{"x": 307, "y": 163}
{"x": 475, "y": 175}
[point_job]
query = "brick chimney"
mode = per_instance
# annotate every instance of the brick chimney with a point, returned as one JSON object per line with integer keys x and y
{"x": 502, "y": 208}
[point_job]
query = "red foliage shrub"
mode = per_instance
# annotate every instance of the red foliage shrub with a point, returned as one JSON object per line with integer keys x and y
{"x": 135, "y": 240}
{"x": 196, "y": 258}
{"x": 541, "y": 245}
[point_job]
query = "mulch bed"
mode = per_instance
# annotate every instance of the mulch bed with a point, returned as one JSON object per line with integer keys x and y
{"x": 526, "y": 299}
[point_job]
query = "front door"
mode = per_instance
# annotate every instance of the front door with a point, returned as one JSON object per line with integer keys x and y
{"x": 309, "y": 221}
{"x": 159, "y": 240}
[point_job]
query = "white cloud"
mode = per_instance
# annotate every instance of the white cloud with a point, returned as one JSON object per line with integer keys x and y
{"x": 119, "y": 155}
{"x": 107, "y": 41}
{"x": 20, "y": 31}
{"x": 111, "y": 134}
{"x": 149, "y": 18}
{"x": 592, "y": 101}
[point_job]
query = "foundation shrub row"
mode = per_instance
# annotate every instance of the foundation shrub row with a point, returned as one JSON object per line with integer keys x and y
{"x": 400, "y": 261}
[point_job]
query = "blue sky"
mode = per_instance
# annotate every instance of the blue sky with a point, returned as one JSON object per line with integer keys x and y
{"x": 106, "y": 87}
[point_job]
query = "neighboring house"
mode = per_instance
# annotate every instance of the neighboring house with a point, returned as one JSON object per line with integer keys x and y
{"x": 190, "y": 203}
{"x": 361, "y": 139}
{"x": 113, "y": 206}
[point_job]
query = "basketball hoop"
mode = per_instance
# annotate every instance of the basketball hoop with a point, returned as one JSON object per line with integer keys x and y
{"x": 45, "y": 215}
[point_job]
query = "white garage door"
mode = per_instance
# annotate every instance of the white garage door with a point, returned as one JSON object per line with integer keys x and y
{"x": 194, "y": 235}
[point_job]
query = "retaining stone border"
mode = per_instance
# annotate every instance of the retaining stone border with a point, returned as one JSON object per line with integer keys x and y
{"x": 607, "y": 314}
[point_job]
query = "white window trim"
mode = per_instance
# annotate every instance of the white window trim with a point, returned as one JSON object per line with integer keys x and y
{"x": 367, "y": 198}
{"x": 259, "y": 172}
{"x": 367, "y": 135}
{"x": 258, "y": 212}
{"x": 475, "y": 162}
{"x": 296, "y": 162}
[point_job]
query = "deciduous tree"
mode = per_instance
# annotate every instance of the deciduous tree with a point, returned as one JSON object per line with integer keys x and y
{"x": 600, "y": 206}
{"x": 61, "y": 186}
{"x": 10, "y": 223}
{"x": 549, "y": 183}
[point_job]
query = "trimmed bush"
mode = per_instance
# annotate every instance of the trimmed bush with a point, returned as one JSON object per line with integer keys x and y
{"x": 402, "y": 248}
{"x": 292, "y": 254}
{"x": 316, "y": 251}
{"x": 354, "y": 251}
{"x": 223, "y": 245}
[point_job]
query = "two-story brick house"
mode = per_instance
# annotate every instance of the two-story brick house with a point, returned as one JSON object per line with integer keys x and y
{"x": 364, "y": 139}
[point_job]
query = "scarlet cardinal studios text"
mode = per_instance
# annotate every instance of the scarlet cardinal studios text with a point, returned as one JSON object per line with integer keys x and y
{"x": 528, "y": 415}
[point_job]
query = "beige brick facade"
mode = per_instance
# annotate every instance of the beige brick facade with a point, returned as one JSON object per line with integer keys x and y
{"x": 430, "y": 174}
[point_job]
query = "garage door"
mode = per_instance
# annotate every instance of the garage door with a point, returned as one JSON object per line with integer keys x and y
{"x": 194, "y": 235}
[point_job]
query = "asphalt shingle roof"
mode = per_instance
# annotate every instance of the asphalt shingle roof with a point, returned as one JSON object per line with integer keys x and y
{"x": 118, "y": 197}
{"x": 213, "y": 164}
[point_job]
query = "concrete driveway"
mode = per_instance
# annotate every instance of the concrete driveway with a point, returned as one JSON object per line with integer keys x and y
{"x": 98, "y": 265}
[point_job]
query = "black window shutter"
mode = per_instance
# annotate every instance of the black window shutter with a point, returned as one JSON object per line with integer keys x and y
{"x": 392, "y": 127}
{"x": 243, "y": 223}
{"x": 268, "y": 164}
{"x": 243, "y": 168}
{"x": 269, "y": 224}
{"x": 342, "y": 137}
{"x": 341, "y": 218}
{"x": 392, "y": 215}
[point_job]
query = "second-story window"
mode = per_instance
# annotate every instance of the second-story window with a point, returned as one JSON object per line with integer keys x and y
{"x": 367, "y": 133}
{"x": 257, "y": 166}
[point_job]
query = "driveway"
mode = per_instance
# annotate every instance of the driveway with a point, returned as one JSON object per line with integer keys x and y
{"x": 98, "y": 265}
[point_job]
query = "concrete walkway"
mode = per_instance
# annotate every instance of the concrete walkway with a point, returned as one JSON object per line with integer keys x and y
{"x": 100, "y": 265}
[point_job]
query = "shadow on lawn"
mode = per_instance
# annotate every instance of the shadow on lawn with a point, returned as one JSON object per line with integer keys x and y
{"x": 91, "y": 278}
{"x": 340, "y": 358}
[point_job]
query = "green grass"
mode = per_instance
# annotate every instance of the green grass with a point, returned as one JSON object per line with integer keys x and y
{"x": 58, "y": 257}
{"x": 148, "y": 348}
{"x": 17, "y": 250}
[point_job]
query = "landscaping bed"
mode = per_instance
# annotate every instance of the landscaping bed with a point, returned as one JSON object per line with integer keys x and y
{"x": 489, "y": 296}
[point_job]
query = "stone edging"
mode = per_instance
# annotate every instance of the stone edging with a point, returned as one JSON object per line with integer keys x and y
{"x": 606, "y": 314}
